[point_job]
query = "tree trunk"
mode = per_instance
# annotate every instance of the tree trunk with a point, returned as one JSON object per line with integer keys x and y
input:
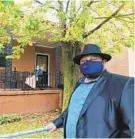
{"x": 70, "y": 70}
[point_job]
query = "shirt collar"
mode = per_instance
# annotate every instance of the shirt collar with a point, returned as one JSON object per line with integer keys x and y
{"x": 82, "y": 80}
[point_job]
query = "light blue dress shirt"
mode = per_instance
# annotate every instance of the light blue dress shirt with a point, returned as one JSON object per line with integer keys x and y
{"x": 75, "y": 106}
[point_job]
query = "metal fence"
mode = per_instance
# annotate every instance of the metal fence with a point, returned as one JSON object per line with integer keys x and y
{"x": 13, "y": 80}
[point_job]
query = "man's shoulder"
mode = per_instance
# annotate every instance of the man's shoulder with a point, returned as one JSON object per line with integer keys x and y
{"x": 117, "y": 83}
{"x": 121, "y": 78}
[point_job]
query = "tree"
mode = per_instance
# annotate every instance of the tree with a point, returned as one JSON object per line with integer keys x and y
{"x": 107, "y": 23}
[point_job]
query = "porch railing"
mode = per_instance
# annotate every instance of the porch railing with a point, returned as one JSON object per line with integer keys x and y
{"x": 28, "y": 81}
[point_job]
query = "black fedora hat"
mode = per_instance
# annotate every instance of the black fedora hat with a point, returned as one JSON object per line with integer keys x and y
{"x": 91, "y": 49}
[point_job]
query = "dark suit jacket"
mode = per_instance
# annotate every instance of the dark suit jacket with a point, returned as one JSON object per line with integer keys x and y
{"x": 108, "y": 111}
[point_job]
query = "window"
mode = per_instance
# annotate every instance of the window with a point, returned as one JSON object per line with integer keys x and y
{"x": 42, "y": 62}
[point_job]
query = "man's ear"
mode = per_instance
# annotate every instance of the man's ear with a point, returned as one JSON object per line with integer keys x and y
{"x": 104, "y": 61}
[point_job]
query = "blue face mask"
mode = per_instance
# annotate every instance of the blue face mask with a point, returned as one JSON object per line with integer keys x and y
{"x": 91, "y": 69}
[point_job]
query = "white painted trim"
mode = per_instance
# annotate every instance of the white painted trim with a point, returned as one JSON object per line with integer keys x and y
{"x": 37, "y": 44}
{"x": 48, "y": 64}
{"x": 44, "y": 46}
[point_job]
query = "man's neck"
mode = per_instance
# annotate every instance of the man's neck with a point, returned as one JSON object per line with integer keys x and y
{"x": 87, "y": 80}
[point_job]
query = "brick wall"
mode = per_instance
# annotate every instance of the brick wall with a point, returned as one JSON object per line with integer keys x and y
{"x": 29, "y": 101}
{"x": 26, "y": 62}
{"x": 119, "y": 63}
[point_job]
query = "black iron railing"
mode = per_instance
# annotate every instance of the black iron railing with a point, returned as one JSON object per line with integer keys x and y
{"x": 28, "y": 81}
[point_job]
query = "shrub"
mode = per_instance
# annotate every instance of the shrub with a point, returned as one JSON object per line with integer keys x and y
{"x": 8, "y": 118}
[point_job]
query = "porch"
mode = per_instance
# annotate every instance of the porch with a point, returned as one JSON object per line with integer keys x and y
{"x": 16, "y": 80}
{"x": 18, "y": 96}
{"x": 22, "y": 92}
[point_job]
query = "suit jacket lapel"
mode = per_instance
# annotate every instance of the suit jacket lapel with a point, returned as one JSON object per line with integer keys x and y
{"x": 95, "y": 91}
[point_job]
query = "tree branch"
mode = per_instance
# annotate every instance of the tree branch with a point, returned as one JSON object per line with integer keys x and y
{"x": 63, "y": 21}
{"x": 103, "y": 22}
{"x": 54, "y": 8}
{"x": 60, "y": 2}
{"x": 124, "y": 15}
{"x": 65, "y": 25}
{"x": 51, "y": 7}
{"x": 125, "y": 20}
{"x": 67, "y": 5}
{"x": 37, "y": 1}
{"x": 88, "y": 5}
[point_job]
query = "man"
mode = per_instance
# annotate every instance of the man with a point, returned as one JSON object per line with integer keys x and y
{"x": 102, "y": 103}
{"x": 38, "y": 72}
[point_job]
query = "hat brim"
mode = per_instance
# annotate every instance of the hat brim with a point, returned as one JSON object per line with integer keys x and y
{"x": 77, "y": 58}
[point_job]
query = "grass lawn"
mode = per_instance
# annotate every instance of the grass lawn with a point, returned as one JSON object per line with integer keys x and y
{"x": 32, "y": 121}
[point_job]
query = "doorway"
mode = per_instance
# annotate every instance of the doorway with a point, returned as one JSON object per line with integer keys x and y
{"x": 42, "y": 61}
